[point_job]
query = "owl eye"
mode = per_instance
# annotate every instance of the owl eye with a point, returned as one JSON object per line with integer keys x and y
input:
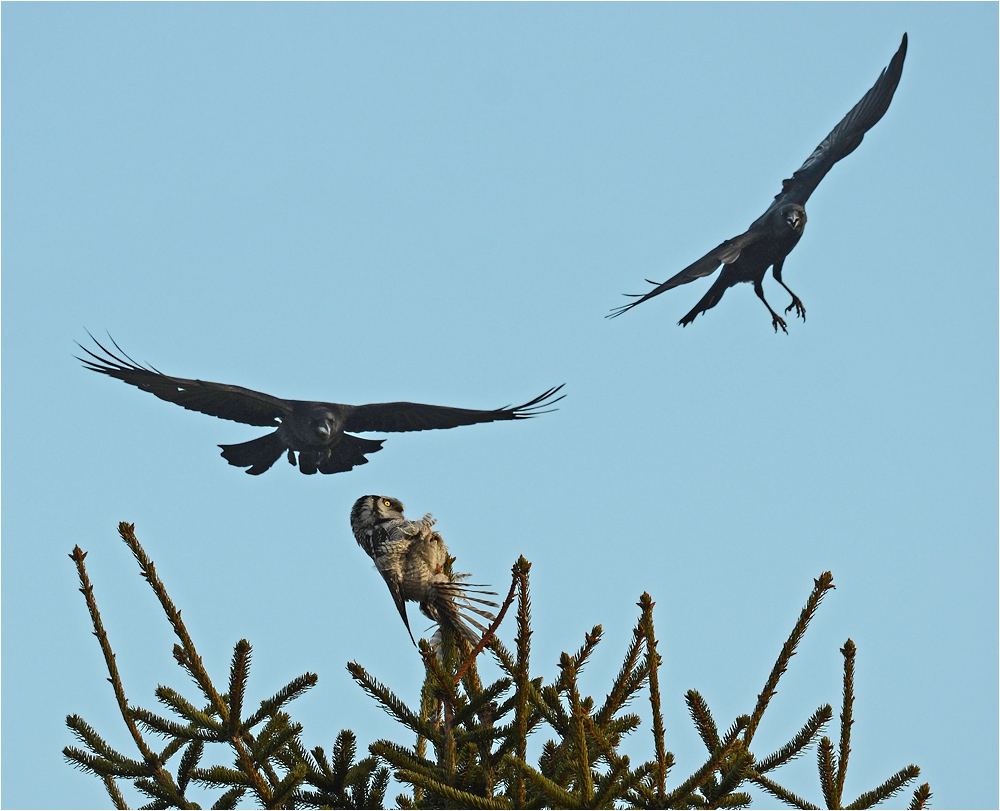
{"x": 387, "y": 502}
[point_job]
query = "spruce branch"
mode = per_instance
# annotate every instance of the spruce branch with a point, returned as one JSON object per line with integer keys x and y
{"x": 522, "y": 681}
{"x": 685, "y": 790}
{"x": 559, "y": 796}
{"x": 703, "y": 721}
{"x": 88, "y": 737}
{"x": 782, "y": 793}
{"x": 230, "y": 798}
{"x": 289, "y": 783}
{"x": 238, "y": 674}
{"x": 461, "y": 799}
{"x": 87, "y": 589}
{"x": 797, "y": 745}
{"x": 485, "y": 698}
{"x": 86, "y": 761}
{"x": 895, "y": 783}
{"x": 198, "y": 719}
{"x": 391, "y": 703}
{"x": 289, "y": 692}
{"x": 846, "y": 716}
{"x": 738, "y": 799}
{"x": 491, "y": 631}
{"x": 822, "y": 585}
{"x": 653, "y": 661}
{"x": 625, "y": 683}
{"x": 217, "y": 776}
{"x": 164, "y": 726}
{"x": 192, "y": 660}
{"x": 189, "y": 760}
{"x": 921, "y": 797}
{"x": 119, "y": 801}
{"x": 827, "y": 781}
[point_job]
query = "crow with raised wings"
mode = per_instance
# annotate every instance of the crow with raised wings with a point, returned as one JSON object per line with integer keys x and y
{"x": 772, "y": 236}
{"x": 314, "y": 430}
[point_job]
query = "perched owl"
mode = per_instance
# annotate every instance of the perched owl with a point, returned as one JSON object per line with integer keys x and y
{"x": 411, "y": 557}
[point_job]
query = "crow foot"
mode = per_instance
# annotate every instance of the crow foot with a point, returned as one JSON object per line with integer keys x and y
{"x": 800, "y": 308}
{"x": 778, "y": 321}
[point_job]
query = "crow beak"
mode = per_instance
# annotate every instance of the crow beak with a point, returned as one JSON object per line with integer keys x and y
{"x": 323, "y": 430}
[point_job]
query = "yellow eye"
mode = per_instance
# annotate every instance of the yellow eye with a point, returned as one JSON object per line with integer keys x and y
{"x": 387, "y": 502}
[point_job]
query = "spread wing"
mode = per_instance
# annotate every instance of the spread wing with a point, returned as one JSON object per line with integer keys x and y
{"x": 418, "y": 417}
{"x": 846, "y": 136}
{"x": 725, "y": 254}
{"x": 215, "y": 399}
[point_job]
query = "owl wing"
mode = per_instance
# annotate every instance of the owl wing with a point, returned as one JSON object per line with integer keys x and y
{"x": 724, "y": 254}
{"x": 846, "y": 136}
{"x": 420, "y": 417}
{"x": 397, "y": 598}
{"x": 215, "y": 399}
{"x": 378, "y": 547}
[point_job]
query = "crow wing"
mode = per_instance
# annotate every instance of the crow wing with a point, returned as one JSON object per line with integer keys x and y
{"x": 419, "y": 417}
{"x": 845, "y": 137}
{"x": 215, "y": 399}
{"x": 724, "y": 254}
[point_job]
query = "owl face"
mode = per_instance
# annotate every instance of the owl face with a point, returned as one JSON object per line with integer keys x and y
{"x": 369, "y": 511}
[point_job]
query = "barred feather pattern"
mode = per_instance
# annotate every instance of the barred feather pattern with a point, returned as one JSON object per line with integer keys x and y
{"x": 411, "y": 558}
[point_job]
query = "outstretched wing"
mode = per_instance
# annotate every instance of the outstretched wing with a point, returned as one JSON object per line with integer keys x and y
{"x": 215, "y": 399}
{"x": 725, "y": 254}
{"x": 419, "y": 417}
{"x": 846, "y": 136}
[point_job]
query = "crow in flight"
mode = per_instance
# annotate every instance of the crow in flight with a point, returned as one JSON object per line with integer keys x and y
{"x": 315, "y": 430}
{"x": 772, "y": 236}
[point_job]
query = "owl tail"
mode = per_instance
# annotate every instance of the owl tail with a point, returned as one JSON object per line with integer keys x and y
{"x": 257, "y": 454}
{"x": 453, "y": 604}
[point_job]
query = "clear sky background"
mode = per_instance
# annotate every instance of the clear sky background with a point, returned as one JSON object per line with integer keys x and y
{"x": 366, "y": 203}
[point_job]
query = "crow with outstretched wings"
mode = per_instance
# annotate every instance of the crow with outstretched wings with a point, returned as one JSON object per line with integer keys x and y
{"x": 772, "y": 236}
{"x": 314, "y": 430}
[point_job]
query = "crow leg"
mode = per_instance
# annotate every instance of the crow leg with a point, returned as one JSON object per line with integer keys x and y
{"x": 800, "y": 308}
{"x": 776, "y": 320}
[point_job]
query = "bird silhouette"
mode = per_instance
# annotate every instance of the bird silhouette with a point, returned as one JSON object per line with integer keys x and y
{"x": 313, "y": 430}
{"x": 771, "y": 237}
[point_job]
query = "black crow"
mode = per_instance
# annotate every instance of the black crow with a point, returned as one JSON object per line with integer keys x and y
{"x": 772, "y": 236}
{"x": 315, "y": 430}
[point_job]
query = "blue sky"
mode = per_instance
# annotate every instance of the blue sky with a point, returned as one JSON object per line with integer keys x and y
{"x": 365, "y": 203}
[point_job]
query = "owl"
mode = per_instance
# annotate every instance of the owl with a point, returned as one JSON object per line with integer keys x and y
{"x": 411, "y": 557}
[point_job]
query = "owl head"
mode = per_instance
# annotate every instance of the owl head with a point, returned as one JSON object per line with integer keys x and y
{"x": 369, "y": 511}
